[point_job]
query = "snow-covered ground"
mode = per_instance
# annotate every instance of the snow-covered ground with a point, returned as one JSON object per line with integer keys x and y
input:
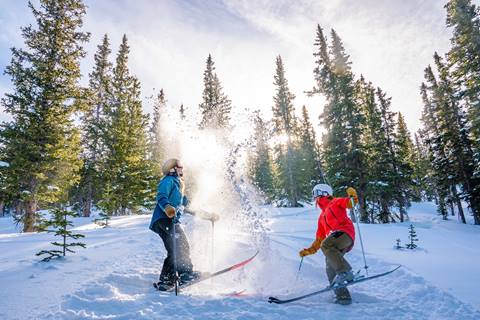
{"x": 112, "y": 278}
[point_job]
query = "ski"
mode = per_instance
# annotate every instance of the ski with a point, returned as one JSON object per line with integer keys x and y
{"x": 239, "y": 293}
{"x": 212, "y": 275}
{"x": 358, "y": 280}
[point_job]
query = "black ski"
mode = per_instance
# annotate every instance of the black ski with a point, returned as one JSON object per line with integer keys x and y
{"x": 215, "y": 274}
{"x": 280, "y": 301}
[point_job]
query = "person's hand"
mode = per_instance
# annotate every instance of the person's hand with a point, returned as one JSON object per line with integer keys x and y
{"x": 306, "y": 252}
{"x": 316, "y": 244}
{"x": 213, "y": 217}
{"x": 352, "y": 193}
{"x": 170, "y": 211}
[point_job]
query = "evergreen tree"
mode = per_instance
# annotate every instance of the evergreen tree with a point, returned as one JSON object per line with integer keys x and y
{"x": 343, "y": 153}
{"x": 60, "y": 223}
{"x": 397, "y": 244}
{"x": 404, "y": 150}
{"x": 182, "y": 112}
{"x": 128, "y": 172}
{"x": 3, "y": 187}
{"x": 386, "y": 163}
{"x": 93, "y": 125}
{"x": 41, "y": 143}
{"x": 103, "y": 220}
{"x": 458, "y": 147}
{"x": 435, "y": 140}
{"x": 378, "y": 160}
{"x": 285, "y": 126}
{"x": 424, "y": 186}
{"x": 464, "y": 58}
{"x": 157, "y": 142}
{"x": 412, "y": 236}
{"x": 215, "y": 106}
{"x": 309, "y": 165}
{"x": 260, "y": 160}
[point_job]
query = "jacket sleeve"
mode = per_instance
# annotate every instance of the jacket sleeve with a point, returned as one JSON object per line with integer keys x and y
{"x": 344, "y": 203}
{"x": 320, "y": 232}
{"x": 163, "y": 192}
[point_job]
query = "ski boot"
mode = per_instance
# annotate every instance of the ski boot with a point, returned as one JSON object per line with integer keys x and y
{"x": 165, "y": 283}
{"x": 342, "y": 296}
{"x": 190, "y": 276}
{"x": 343, "y": 278}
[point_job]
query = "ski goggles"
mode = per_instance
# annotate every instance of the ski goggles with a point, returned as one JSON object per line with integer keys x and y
{"x": 319, "y": 193}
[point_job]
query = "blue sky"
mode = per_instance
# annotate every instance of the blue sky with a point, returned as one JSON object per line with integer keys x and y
{"x": 390, "y": 42}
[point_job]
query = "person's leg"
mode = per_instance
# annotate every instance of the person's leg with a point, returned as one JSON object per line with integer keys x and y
{"x": 333, "y": 248}
{"x": 341, "y": 294}
{"x": 164, "y": 228}
{"x": 184, "y": 263}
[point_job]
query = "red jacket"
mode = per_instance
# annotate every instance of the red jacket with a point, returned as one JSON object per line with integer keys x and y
{"x": 334, "y": 217}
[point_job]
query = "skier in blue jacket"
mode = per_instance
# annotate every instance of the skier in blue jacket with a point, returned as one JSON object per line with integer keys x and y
{"x": 171, "y": 203}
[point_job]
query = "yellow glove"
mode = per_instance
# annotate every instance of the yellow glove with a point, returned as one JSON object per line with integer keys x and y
{"x": 170, "y": 211}
{"x": 306, "y": 252}
{"x": 313, "y": 248}
{"x": 352, "y": 193}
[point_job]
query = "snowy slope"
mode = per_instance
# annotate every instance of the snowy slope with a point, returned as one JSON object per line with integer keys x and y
{"x": 112, "y": 278}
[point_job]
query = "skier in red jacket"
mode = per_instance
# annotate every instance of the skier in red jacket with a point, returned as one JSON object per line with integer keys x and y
{"x": 335, "y": 236}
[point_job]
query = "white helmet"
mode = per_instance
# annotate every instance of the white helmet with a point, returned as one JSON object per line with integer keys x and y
{"x": 322, "y": 189}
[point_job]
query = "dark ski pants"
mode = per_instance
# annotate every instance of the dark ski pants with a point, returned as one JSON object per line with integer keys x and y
{"x": 334, "y": 248}
{"x": 164, "y": 228}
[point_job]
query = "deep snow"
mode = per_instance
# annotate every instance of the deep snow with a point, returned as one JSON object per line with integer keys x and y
{"x": 112, "y": 278}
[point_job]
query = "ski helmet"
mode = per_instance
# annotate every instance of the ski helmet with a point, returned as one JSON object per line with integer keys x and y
{"x": 170, "y": 165}
{"x": 322, "y": 190}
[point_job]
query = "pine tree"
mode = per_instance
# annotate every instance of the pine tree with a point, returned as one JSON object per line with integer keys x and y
{"x": 285, "y": 126}
{"x": 260, "y": 159}
{"x": 458, "y": 147}
{"x": 182, "y": 112}
{"x": 435, "y": 140}
{"x": 3, "y": 186}
{"x": 386, "y": 163}
{"x": 404, "y": 150}
{"x": 215, "y": 106}
{"x": 343, "y": 153}
{"x": 412, "y": 236}
{"x": 424, "y": 186}
{"x": 157, "y": 142}
{"x": 397, "y": 244}
{"x": 309, "y": 166}
{"x": 128, "y": 172}
{"x": 41, "y": 143}
{"x": 464, "y": 58}
{"x": 376, "y": 137}
{"x": 93, "y": 126}
{"x": 60, "y": 223}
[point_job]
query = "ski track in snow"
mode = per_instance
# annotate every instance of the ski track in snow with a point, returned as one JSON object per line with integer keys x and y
{"x": 112, "y": 279}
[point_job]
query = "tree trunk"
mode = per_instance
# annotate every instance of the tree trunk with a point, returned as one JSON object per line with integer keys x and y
{"x": 87, "y": 205}
{"x": 459, "y": 205}
{"x": 29, "y": 217}
{"x": 452, "y": 209}
{"x": 2, "y": 209}
{"x": 363, "y": 207}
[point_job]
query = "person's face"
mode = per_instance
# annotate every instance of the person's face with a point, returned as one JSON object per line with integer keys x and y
{"x": 179, "y": 169}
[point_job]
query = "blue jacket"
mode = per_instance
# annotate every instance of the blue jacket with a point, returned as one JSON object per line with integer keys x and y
{"x": 168, "y": 193}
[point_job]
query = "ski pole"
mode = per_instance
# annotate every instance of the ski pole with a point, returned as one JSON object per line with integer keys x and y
{"x": 212, "y": 258}
{"x": 175, "y": 271}
{"x": 299, "y": 267}
{"x": 359, "y": 235}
